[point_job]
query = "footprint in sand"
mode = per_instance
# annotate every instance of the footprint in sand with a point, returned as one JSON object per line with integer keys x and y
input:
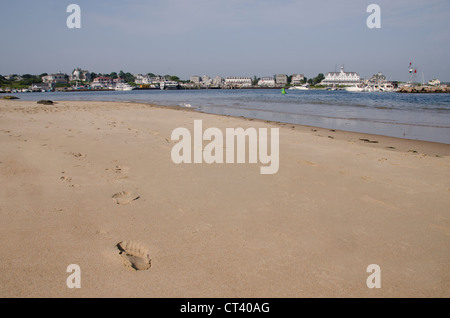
{"x": 135, "y": 255}
{"x": 124, "y": 197}
{"x": 77, "y": 155}
{"x": 67, "y": 179}
{"x": 121, "y": 169}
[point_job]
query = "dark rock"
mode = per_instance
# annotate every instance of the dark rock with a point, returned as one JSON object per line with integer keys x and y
{"x": 45, "y": 102}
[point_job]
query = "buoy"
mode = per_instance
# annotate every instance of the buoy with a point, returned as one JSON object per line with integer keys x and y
{"x": 283, "y": 91}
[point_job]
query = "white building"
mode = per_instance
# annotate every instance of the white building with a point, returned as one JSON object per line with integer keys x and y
{"x": 434, "y": 82}
{"x": 142, "y": 79}
{"x": 377, "y": 78}
{"x": 102, "y": 82}
{"x": 40, "y": 87}
{"x": 80, "y": 75}
{"x": 267, "y": 82}
{"x": 196, "y": 79}
{"x": 206, "y": 80}
{"x": 55, "y": 79}
{"x": 217, "y": 81}
{"x": 118, "y": 81}
{"x": 297, "y": 79}
{"x": 281, "y": 79}
{"x": 238, "y": 81}
{"x": 138, "y": 78}
{"x": 341, "y": 78}
{"x": 159, "y": 79}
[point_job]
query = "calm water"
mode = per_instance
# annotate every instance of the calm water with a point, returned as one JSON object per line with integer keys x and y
{"x": 412, "y": 116}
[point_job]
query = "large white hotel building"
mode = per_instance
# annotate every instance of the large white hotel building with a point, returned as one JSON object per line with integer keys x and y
{"x": 341, "y": 78}
{"x": 239, "y": 81}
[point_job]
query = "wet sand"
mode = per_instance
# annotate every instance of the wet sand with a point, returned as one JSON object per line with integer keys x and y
{"x": 79, "y": 178}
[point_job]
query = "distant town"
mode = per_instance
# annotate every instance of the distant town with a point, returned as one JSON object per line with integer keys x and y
{"x": 83, "y": 80}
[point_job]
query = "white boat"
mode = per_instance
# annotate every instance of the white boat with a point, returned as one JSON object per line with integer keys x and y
{"x": 304, "y": 87}
{"x": 382, "y": 87}
{"x": 123, "y": 87}
{"x": 355, "y": 88}
{"x": 168, "y": 85}
{"x": 387, "y": 87}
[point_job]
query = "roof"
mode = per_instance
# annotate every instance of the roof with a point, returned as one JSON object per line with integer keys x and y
{"x": 337, "y": 73}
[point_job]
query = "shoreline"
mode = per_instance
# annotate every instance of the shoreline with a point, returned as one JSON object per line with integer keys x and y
{"x": 367, "y": 139}
{"x": 437, "y": 132}
{"x": 370, "y": 140}
{"x": 81, "y": 177}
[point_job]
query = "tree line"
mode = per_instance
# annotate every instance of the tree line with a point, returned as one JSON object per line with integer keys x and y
{"x": 20, "y": 81}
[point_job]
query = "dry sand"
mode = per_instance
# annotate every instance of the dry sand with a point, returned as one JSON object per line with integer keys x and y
{"x": 336, "y": 205}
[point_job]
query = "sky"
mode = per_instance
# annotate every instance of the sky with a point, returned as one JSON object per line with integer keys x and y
{"x": 227, "y": 38}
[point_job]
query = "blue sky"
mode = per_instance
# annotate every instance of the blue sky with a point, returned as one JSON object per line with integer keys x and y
{"x": 227, "y": 38}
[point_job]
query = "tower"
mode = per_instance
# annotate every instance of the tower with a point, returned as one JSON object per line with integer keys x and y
{"x": 412, "y": 73}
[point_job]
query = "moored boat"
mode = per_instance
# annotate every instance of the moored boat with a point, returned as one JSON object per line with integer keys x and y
{"x": 123, "y": 87}
{"x": 355, "y": 88}
{"x": 304, "y": 87}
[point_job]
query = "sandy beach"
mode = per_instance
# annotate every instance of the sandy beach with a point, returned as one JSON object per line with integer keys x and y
{"x": 80, "y": 177}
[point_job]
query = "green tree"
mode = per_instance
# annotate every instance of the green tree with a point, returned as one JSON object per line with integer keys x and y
{"x": 289, "y": 80}
{"x": 174, "y": 78}
{"x": 113, "y": 75}
{"x": 319, "y": 78}
{"x": 128, "y": 77}
{"x": 28, "y": 79}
